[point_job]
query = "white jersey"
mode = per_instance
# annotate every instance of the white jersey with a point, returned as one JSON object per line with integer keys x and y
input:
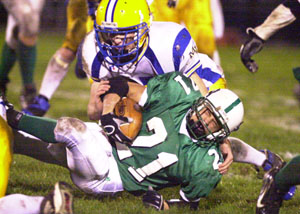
{"x": 171, "y": 48}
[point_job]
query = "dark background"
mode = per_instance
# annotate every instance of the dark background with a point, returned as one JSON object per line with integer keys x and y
{"x": 238, "y": 14}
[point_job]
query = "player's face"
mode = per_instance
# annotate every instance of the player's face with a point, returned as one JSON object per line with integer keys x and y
{"x": 208, "y": 123}
{"x": 121, "y": 39}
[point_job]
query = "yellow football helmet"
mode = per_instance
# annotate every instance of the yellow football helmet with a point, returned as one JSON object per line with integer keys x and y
{"x": 122, "y": 28}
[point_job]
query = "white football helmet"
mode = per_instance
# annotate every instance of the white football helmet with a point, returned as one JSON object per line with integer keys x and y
{"x": 227, "y": 109}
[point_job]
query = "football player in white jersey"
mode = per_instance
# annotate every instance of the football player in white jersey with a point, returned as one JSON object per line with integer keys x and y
{"x": 130, "y": 44}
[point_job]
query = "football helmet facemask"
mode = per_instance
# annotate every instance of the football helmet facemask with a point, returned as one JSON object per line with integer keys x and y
{"x": 227, "y": 109}
{"x": 121, "y": 28}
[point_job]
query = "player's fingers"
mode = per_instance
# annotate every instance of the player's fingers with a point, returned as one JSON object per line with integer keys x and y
{"x": 224, "y": 167}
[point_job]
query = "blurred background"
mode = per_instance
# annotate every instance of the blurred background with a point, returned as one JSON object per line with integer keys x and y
{"x": 238, "y": 15}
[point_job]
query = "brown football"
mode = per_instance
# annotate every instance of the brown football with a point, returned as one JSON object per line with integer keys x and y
{"x": 127, "y": 107}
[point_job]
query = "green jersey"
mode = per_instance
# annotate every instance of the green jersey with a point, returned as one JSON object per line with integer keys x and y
{"x": 161, "y": 156}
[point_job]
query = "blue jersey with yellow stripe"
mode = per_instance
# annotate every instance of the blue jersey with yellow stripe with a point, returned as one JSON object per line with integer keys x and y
{"x": 170, "y": 48}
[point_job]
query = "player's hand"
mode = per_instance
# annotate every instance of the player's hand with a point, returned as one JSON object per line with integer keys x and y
{"x": 252, "y": 46}
{"x": 153, "y": 199}
{"x": 102, "y": 87}
{"x": 111, "y": 125}
{"x": 172, "y": 3}
{"x": 228, "y": 157}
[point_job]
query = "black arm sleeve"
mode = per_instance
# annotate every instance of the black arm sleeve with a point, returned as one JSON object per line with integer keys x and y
{"x": 294, "y": 5}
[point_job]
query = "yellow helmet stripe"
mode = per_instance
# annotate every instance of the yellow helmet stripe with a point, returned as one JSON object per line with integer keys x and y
{"x": 109, "y": 13}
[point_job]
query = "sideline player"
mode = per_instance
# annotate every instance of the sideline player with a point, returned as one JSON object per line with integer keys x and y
{"x": 20, "y": 44}
{"x": 80, "y": 14}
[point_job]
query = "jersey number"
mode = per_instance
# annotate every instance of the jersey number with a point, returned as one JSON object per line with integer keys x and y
{"x": 164, "y": 159}
{"x": 212, "y": 152}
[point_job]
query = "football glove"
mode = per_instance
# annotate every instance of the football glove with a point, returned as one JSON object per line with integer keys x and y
{"x": 153, "y": 199}
{"x": 111, "y": 125}
{"x": 252, "y": 46}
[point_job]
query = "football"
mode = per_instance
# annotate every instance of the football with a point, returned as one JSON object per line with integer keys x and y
{"x": 127, "y": 107}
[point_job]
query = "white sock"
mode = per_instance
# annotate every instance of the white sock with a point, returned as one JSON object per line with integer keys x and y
{"x": 20, "y": 204}
{"x": 56, "y": 70}
{"x": 244, "y": 153}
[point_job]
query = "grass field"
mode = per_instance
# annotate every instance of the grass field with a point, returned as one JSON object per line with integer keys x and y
{"x": 272, "y": 120}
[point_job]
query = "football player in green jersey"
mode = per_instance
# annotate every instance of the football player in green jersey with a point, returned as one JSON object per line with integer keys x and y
{"x": 182, "y": 140}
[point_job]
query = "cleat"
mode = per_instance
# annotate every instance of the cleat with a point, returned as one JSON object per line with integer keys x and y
{"x": 38, "y": 107}
{"x": 58, "y": 201}
{"x": 270, "y": 198}
{"x": 275, "y": 161}
{"x": 27, "y": 96}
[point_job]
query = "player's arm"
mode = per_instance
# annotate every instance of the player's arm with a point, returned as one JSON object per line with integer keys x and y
{"x": 106, "y": 94}
{"x": 95, "y": 105}
{"x": 226, "y": 151}
{"x": 280, "y": 17}
{"x": 199, "y": 82}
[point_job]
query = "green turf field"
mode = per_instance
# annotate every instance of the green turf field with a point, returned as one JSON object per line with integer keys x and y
{"x": 272, "y": 120}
